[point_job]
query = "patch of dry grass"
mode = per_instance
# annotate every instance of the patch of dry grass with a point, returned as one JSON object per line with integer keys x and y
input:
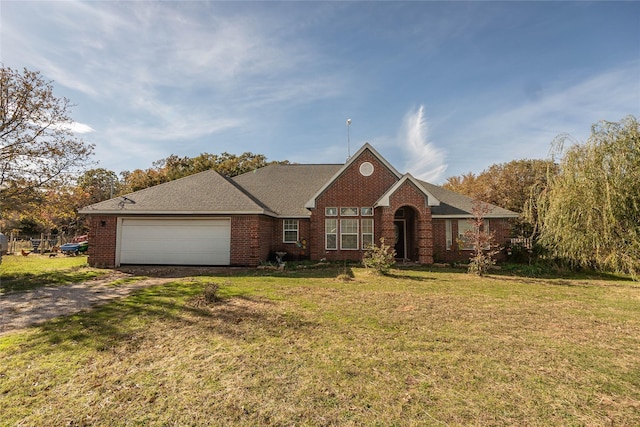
{"x": 412, "y": 348}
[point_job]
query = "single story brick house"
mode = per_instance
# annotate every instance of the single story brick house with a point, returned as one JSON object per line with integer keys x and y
{"x": 309, "y": 211}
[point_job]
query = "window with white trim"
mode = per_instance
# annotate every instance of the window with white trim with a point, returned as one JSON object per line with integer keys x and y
{"x": 348, "y": 234}
{"x": 331, "y": 211}
{"x": 366, "y": 211}
{"x": 348, "y": 211}
{"x": 449, "y": 235}
{"x": 331, "y": 233}
{"x": 367, "y": 232}
{"x": 290, "y": 230}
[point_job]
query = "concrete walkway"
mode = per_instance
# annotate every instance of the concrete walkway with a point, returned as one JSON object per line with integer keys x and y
{"x": 22, "y": 309}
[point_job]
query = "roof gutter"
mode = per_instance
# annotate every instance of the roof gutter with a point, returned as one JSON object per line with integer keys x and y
{"x": 463, "y": 216}
{"x": 162, "y": 213}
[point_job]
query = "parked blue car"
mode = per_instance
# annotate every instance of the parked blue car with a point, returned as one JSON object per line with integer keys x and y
{"x": 74, "y": 248}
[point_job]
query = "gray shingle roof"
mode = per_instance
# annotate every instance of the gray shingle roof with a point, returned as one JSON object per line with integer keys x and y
{"x": 204, "y": 192}
{"x": 284, "y": 189}
{"x": 277, "y": 190}
{"x": 455, "y": 204}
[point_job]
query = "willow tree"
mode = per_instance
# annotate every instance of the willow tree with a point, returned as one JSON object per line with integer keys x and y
{"x": 590, "y": 213}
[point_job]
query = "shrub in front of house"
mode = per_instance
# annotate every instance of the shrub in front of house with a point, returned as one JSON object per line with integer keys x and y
{"x": 379, "y": 258}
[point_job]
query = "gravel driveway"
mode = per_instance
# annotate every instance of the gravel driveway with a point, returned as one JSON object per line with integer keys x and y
{"x": 22, "y": 309}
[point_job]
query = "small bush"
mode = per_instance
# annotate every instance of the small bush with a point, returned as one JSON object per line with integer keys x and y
{"x": 211, "y": 293}
{"x": 379, "y": 258}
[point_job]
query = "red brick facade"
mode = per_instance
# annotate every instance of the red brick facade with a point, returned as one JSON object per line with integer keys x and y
{"x": 256, "y": 238}
{"x": 403, "y": 218}
{"x": 500, "y": 227}
{"x": 351, "y": 189}
{"x": 420, "y": 231}
{"x": 102, "y": 241}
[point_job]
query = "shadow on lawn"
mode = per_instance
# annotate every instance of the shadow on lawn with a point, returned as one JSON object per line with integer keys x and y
{"x": 294, "y": 270}
{"x": 24, "y": 282}
{"x": 556, "y": 271}
{"x": 410, "y": 277}
{"x": 127, "y": 322}
{"x": 575, "y": 280}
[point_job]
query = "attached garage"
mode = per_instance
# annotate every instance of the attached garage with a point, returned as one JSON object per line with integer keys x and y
{"x": 174, "y": 241}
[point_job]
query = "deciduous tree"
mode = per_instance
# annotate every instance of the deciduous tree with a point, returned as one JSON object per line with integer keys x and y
{"x": 97, "y": 185}
{"x": 481, "y": 241}
{"x": 174, "y": 167}
{"x": 37, "y": 146}
{"x": 38, "y": 149}
{"x": 513, "y": 185}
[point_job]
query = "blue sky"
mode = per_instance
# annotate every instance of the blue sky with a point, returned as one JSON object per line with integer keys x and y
{"x": 438, "y": 88}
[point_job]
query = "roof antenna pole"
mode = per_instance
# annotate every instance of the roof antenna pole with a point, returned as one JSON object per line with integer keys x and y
{"x": 348, "y": 139}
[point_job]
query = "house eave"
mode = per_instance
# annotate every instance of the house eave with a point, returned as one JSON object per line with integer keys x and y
{"x": 470, "y": 215}
{"x": 124, "y": 212}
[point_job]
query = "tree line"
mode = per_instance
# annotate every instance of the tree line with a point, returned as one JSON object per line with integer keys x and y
{"x": 582, "y": 205}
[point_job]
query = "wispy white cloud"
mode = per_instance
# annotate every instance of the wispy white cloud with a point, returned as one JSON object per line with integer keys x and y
{"x": 423, "y": 159}
{"x": 176, "y": 130}
{"x": 80, "y": 128}
{"x": 155, "y": 78}
{"x": 182, "y": 71}
{"x": 527, "y": 129}
{"x": 74, "y": 127}
{"x": 565, "y": 105}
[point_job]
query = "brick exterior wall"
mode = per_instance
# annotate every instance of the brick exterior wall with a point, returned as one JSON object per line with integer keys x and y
{"x": 501, "y": 228}
{"x": 102, "y": 241}
{"x": 350, "y": 189}
{"x": 421, "y": 244}
{"x": 295, "y": 251}
{"x": 266, "y": 236}
{"x": 251, "y": 236}
{"x": 256, "y": 238}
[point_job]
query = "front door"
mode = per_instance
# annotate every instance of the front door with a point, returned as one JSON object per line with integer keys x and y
{"x": 400, "y": 227}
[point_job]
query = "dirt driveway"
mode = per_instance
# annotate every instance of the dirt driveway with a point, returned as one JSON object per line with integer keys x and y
{"x": 22, "y": 309}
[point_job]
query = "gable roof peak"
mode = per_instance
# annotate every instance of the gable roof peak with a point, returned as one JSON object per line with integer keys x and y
{"x": 366, "y": 147}
{"x": 431, "y": 199}
{"x": 375, "y": 153}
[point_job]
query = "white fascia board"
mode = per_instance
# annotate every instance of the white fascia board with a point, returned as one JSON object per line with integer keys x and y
{"x": 466, "y": 216}
{"x": 311, "y": 204}
{"x": 384, "y": 200}
{"x": 163, "y": 213}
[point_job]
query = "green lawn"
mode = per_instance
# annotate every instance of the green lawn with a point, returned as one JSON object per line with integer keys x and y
{"x": 416, "y": 348}
{"x": 19, "y": 273}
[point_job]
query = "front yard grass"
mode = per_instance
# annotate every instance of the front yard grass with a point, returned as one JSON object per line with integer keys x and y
{"x": 19, "y": 273}
{"x": 417, "y": 347}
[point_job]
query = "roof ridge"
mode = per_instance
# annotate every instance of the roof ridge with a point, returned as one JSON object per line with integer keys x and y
{"x": 246, "y": 192}
{"x": 169, "y": 182}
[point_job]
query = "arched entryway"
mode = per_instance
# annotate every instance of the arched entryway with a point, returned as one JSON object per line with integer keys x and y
{"x": 406, "y": 233}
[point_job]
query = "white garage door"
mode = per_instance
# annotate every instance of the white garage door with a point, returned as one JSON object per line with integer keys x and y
{"x": 175, "y": 241}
